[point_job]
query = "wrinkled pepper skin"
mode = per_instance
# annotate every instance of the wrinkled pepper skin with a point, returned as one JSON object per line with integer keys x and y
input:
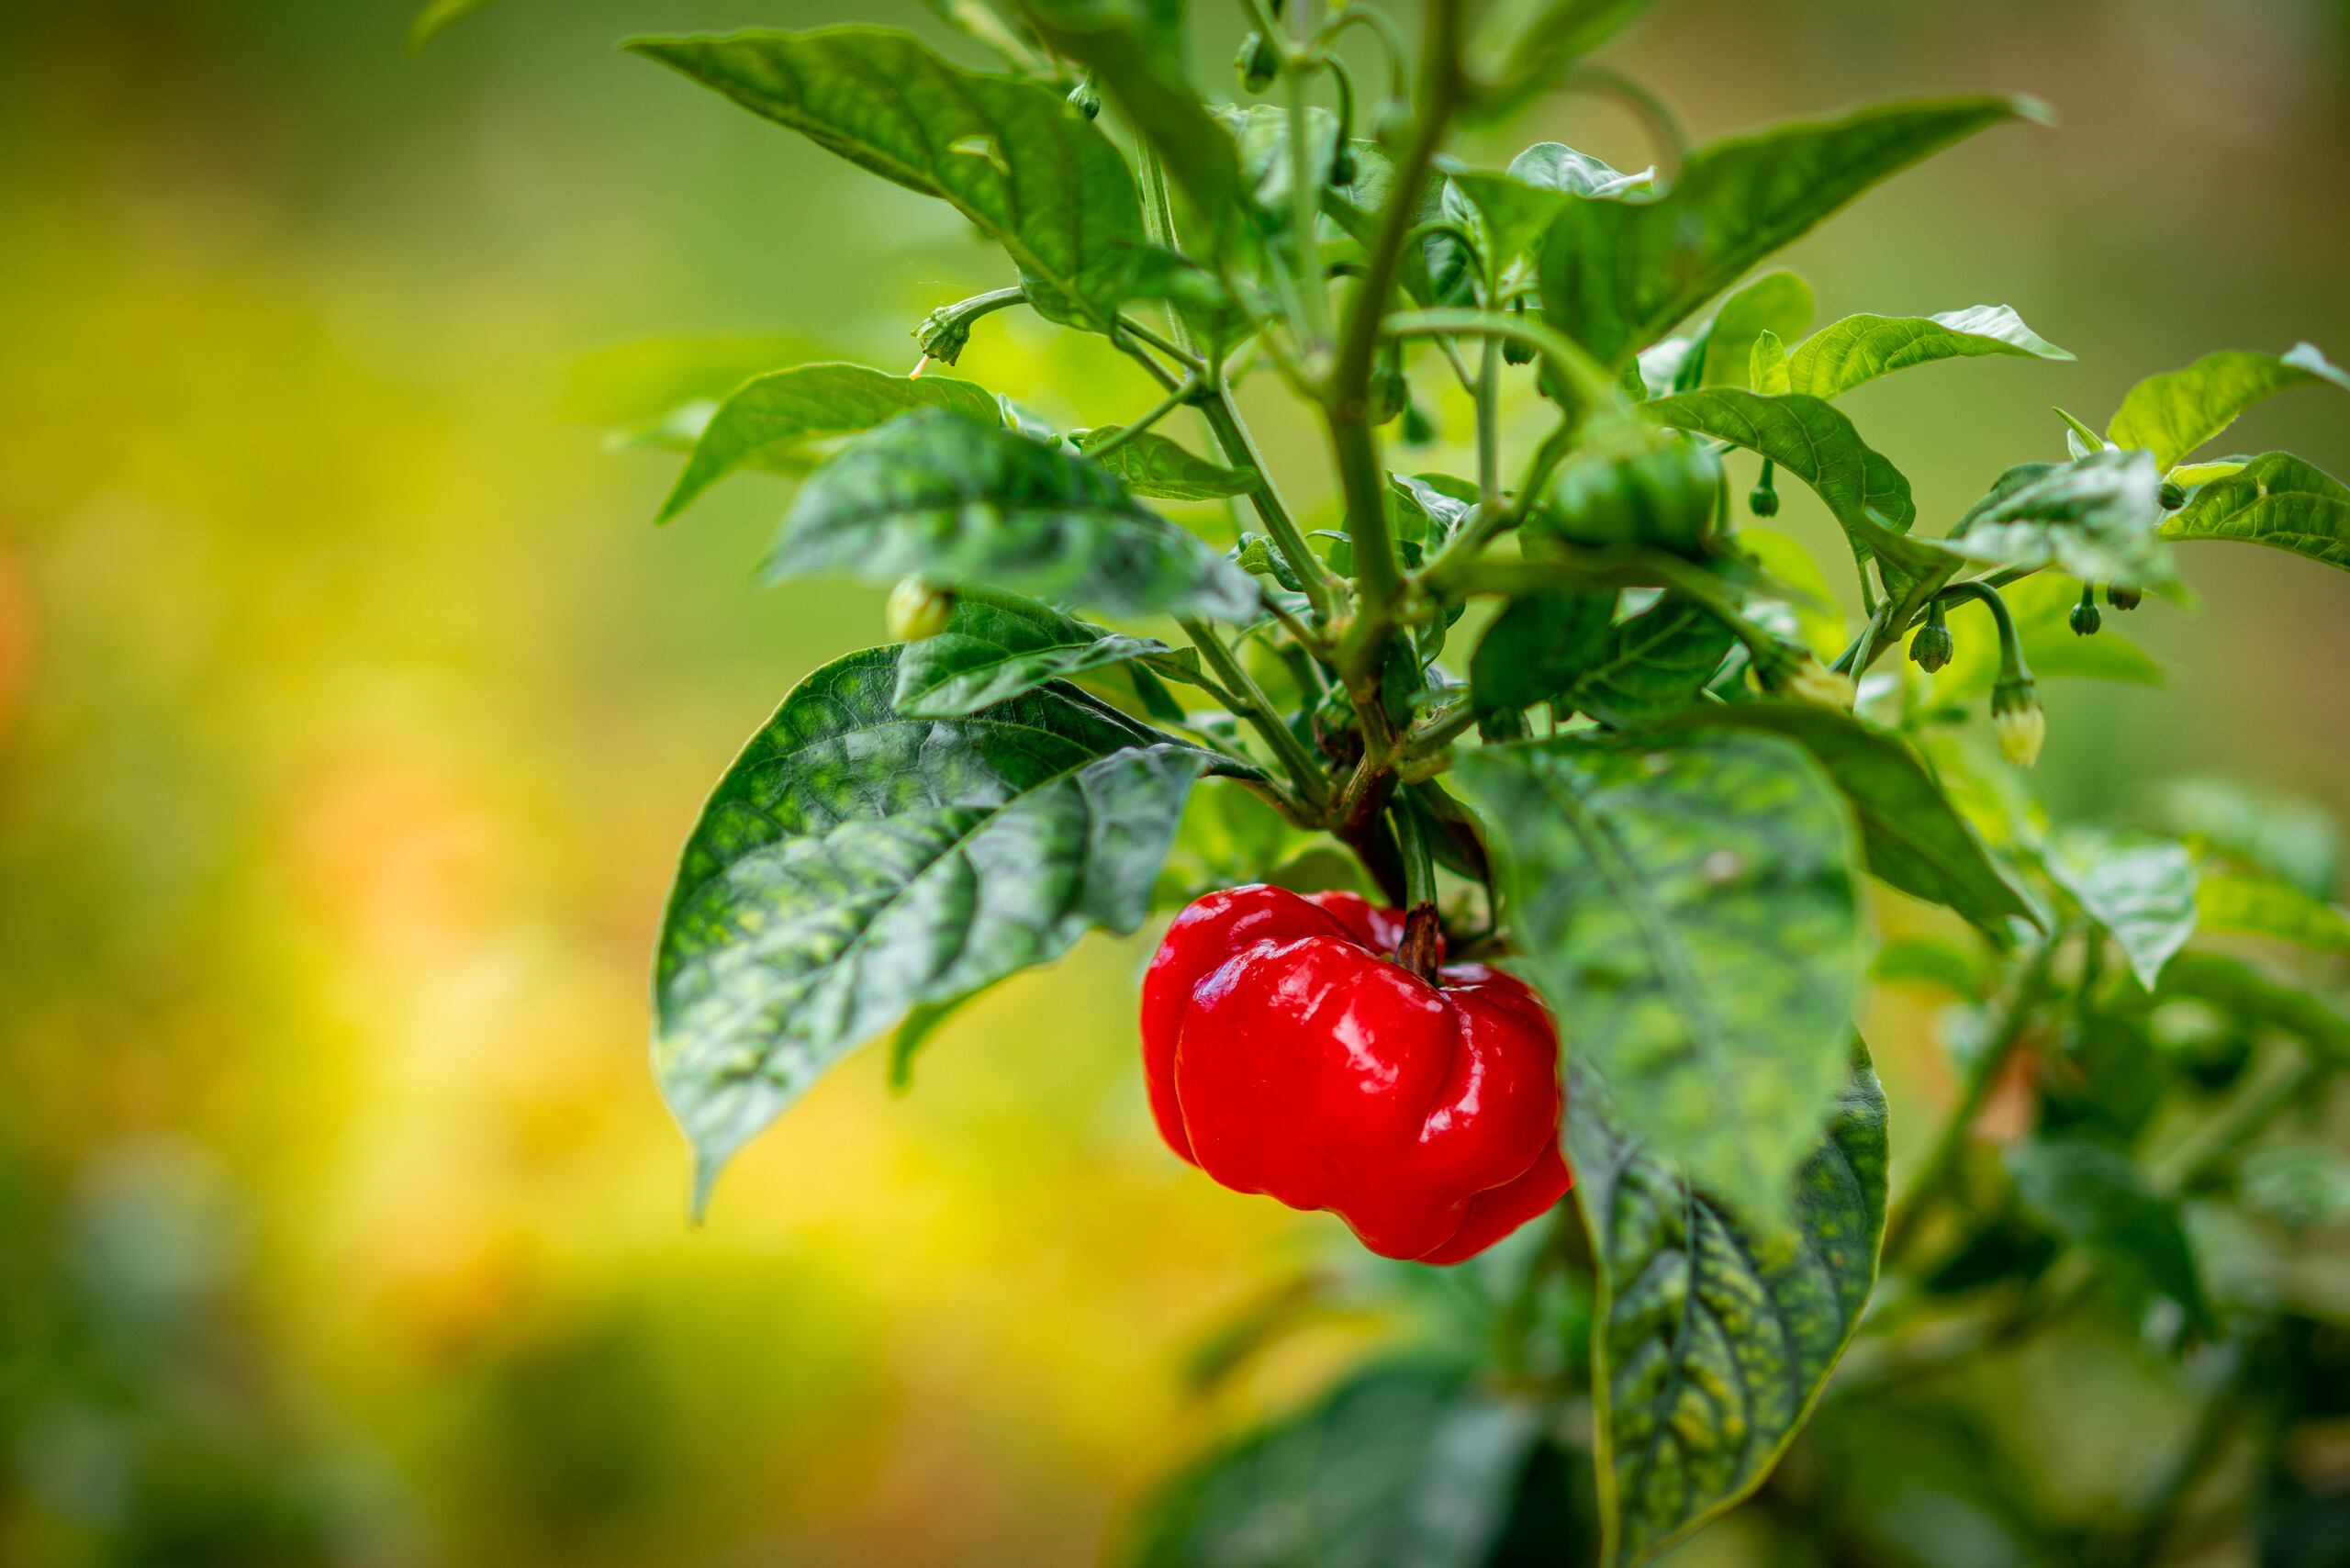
{"x": 1287, "y": 1054}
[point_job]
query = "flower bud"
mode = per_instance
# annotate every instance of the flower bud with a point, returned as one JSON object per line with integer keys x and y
{"x": 2121, "y": 595}
{"x": 1086, "y": 98}
{"x": 1764, "y": 501}
{"x": 2174, "y": 494}
{"x": 1257, "y": 63}
{"x": 2016, "y": 720}
{"x": 2085, "y": 619}
{"x": 1517, "y": 351}
{"x": 943, "y": 334}
{"x": 1815, "y": 683}
{"x": 1932, "y": 648}
{"x": 1342, "y": 167}
{"x": 916, "y": 610}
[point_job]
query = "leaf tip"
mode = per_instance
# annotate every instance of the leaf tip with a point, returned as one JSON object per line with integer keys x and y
{"x": 2038, "y": 111}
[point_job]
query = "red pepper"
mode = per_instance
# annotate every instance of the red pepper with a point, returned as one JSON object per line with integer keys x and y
{"x": 1288, "y": 1054}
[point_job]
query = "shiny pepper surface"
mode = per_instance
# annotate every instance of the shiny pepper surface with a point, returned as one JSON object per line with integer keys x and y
{"x": 1288, "y": 1054}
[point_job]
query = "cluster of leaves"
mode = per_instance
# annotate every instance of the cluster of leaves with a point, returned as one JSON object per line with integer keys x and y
{"x": 1659, "y": 781}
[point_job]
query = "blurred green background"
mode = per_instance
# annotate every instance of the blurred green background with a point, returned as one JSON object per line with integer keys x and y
{"x": 352, "y": 712}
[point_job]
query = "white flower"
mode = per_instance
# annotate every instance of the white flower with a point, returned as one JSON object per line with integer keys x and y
{"x": 2017, "y": 719}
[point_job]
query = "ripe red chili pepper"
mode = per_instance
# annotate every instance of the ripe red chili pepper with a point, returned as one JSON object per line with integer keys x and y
{"x": 1288, "y": 1055}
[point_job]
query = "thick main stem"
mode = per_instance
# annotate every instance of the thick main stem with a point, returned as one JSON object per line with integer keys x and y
{"x": 1423, "y": 930}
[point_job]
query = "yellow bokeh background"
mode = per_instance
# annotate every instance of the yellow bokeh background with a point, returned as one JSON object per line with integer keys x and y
{"x": 352, "y": 712}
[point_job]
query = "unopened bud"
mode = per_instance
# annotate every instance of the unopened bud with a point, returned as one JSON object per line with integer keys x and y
{"x": 2122, "y": 596}
{"x": 916, "y": 610}
{"x": 2085, "y": 619}
{"x": 1086, "y": 98}
{"x": 2016, "y": 720}
{"x": 1257, "y": 63}
{"x": 2174, "y": 494}
{"x": 1932, "y": 648}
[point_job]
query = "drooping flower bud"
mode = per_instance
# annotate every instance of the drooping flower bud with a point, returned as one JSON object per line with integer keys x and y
{"x": 1932, "y": 648}
{"x": 2174, "y": 494}
{"x": 1764, "y": 501}
{"x": 1517, "y": 351}
{"x": 2122, "y": 596}
{"x": 916, "y": 610}
{"x": 2084, "y": 618}
{"x": 1086, "y": 98}
{"x": 2018, "y": 720}
{"x": 1342, "y": 167}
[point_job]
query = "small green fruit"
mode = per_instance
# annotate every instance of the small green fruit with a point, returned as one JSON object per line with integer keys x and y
{"x": 1637, "y": 485}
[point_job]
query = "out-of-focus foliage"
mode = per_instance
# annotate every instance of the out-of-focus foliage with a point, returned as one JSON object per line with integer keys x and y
{"x": 349, "y": 715}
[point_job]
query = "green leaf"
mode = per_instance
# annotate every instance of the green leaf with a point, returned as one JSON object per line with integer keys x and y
{"x": 1402, "y": 1467}
{"x": 1859, "y": 349}
{"x": 854, "y": 864}
{"x": 1777, "y": 303}
{"x": 2263, "y": 906}
{"x": 1135, "y": 49}
{"x": 1514, "y": 210}
{"x": 2172, "y": 414}
{"x": 1540, "y": 645}
{"x": 1654, "y": 664}
{"x": 2278, "y": 500}
{"x": 774, "y": 416}
{"x": 1032, "y": 174}
{"x": 1616, "y": 275}
{"x": 933, "y": 495}
{"x": 1151, "y": 465}
{"x": 1714, "y": 1334}
{"x": 2089, "y": 1194}
{"x": 1915, "y": 838}
{"x": 1261, "y": 133}
{"x": 2302, "y": 1186}
{"x": 2139, "y": 889}
{"x": 2287, "y": 835}
{"x": 2095, "y": 519}
{"x": 997, "y": 645}
{"x": 1810, "y": 440}
{"x": 1691, "y": 904}
{"x": 1767, "y": 368}
{"x": 436, "y": 15}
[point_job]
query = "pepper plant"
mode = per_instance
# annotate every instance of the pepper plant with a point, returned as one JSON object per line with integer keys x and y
{"x": 1574, "y": 717}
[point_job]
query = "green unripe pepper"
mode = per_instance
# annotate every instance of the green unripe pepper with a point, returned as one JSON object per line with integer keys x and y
{"x": 1636, "y": 486}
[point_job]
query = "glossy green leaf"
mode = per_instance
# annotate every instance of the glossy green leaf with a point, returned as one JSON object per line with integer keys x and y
{"x": 1400, "y": 1467}
{"x": 1152, "y": 465}
{"x": 2139, "y": 889}
{"x": 1618, "y": 275}
{"x": 1859, "y": 349}
{"x": 1914, "y": 837}
{"x": 777, "y": 415}
{"x": 2278, "y": 500}
{"x": 1540, "y": 645}
{"x": 1512, "y": 211}
{"x": 1810, "y": 440}
{"x": 933, "y": 495}
{"x": 2095, "y": 519}
{"x": 1691, "y": 902}
{"x": 1654, "y": 665}
{"x": 854, "y": 863}
{"x": 2290, "y": 836}
{"x": 1260, "y": 132}
{"x": 1032, "y": 174}
{"x": 2172, "y": 414}
{"x": 1135, "y": 49}
{"x": 997, "y": 645}
{"x": 1778, "y": 303}
{"x": 2263, "y": 906}
{"x": 1715, "y": 1333}
{"x": 2089, "y": 1194}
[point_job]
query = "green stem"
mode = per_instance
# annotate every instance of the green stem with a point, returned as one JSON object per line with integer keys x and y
{"x": 1663, "y": 125}
{"x": 1440, "y": 729}
{"x": 1240, "y": 450}
{"x": 1399, "y": 57}
{"x": 1489, "y": 426}
{"x": 1182, "y": 395}
{"x": 1304, "y": 195}
{"x": 1258, "y": 712}
{"x": 1423, "y": 930}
